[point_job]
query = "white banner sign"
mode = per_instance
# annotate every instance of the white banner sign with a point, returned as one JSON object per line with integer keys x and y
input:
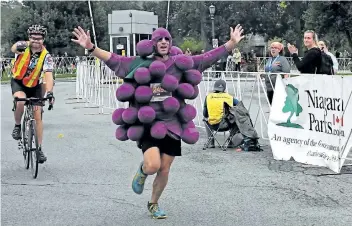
{"x": 310, "y": 120}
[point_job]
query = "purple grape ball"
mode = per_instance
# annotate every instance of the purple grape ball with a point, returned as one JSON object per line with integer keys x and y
{"x": 190, "y": 135}
{"x": 194, "y": 77}
{"x": 187, "y": 113}
{"x": 135, "y": 133}
{"x": 157, "y": 68}
{"x": 184, "y": 62}
{"x": 156, "y": 106}
{"x": 196, "y": 92}
{"x": 121, "y": 133}
{"x": 143, "y": 94}
{"x": 129, "y": 115}
{"x": 174, "y": 126}
{"x": 175, "y": 51}
{"x": 117, "y": 116}
{"x": 169, "y": 83}
{"x": 189, "y": 124}
{"x": 171, "y": 105}
{"x": 158, "y": 130}
{"x": 185, "y": 90}
{"x": 142, "y": 76}
{"x": 146, "y": 114}
{"x": 125, "y": 92}
{"x": 145, "y": 48}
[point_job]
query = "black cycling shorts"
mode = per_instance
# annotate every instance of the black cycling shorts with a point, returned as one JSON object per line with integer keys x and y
{"x": 16, "y": 85}
{"x": 167, "y": 145}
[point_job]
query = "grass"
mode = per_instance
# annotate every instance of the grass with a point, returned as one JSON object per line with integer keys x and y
{"x": 65, "y": 76}
{"x": 345, "y": 74}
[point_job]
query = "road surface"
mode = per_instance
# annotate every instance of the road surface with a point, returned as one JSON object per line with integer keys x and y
{"x": 87, "y": 180}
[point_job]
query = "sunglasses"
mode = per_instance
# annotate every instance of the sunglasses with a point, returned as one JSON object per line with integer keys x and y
{"x": 36, "y": 39}
{"x": 161, "y": 38}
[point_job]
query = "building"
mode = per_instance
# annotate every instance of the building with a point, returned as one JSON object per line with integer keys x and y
{"x": 128, "y": 27}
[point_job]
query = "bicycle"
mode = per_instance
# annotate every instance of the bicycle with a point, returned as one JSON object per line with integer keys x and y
{"x": 29, "y": 133}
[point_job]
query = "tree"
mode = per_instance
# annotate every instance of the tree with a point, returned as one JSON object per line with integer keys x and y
{"x": 330, "y": 17}
{"x": 8, "y": 10}
{"x": 59, "y": 18}
{"x": 192, "y": 44}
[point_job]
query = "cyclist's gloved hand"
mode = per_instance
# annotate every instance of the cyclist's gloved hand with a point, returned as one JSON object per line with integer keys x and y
{"x": 21, "y": 46}
{"x": 50, "y": 96}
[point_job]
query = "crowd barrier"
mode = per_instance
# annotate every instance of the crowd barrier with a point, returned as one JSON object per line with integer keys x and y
{"x": 345, "y": 64}
{"x": 96, "y": 87}
{"x": 62, "y": 65}
{"x": 68, "y": 65}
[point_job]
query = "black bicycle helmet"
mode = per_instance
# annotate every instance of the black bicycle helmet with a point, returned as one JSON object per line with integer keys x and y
{"x": 37, "y": 30}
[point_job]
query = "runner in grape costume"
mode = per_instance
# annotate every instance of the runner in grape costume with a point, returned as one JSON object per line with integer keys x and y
{"x": 157, "y": 84}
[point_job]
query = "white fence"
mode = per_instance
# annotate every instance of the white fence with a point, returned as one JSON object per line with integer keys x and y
{"x": 68, "y": 65}
{"x": 345, "y": 64}
{"x": 96, "y": 87}
{"x": 62, "y": 65}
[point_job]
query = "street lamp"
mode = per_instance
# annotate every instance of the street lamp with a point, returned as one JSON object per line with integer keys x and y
{"x": 212, "y": 12}
{"x": 130, "y": 15}
{"x": 132, "y": 39}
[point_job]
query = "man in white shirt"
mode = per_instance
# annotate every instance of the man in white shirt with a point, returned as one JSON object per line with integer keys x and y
{"x": 323, "y": 47}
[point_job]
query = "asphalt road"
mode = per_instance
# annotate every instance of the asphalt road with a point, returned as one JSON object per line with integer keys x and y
{"x": 87, "y": 180}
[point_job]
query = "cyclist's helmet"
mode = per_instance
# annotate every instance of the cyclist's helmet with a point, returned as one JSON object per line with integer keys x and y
{"x": 37, "y": 30}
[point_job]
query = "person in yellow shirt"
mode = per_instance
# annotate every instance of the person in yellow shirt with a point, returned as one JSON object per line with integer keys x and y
{"x": 213, "y": 109}
{"x": 236, "y": 58}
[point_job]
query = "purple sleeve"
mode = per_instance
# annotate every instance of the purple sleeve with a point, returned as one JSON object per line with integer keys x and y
{"x": 119, "y": 64}
{"x": 205, "y": 60}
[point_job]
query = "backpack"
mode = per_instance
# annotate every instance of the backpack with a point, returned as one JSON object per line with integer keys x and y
{"x": 326, "y": 66}
{"x": 250, "y": 144}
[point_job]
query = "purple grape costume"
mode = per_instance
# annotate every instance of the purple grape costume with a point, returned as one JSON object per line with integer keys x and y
{"x": 156, "y": 91}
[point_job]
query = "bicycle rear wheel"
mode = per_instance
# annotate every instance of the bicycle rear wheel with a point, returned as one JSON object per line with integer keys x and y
{"x": 25, "y": 136}
{"x": 34, "y": 149}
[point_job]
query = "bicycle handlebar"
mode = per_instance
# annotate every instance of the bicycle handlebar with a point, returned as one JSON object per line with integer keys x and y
{"x": 31, "y": 100}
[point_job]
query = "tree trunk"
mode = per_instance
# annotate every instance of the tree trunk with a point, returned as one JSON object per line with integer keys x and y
{"x": 298, "y": 29}
{"x": 349, "y": 38}
{"x": 203, "y": 33}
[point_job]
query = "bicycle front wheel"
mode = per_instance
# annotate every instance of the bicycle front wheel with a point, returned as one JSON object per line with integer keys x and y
{"x": 25, "y": 147}
{"x": 34, "y": 149}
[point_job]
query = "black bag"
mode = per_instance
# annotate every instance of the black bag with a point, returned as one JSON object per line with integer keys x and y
{"x": 327, "y": 64}
{"x": 250, "y": 144}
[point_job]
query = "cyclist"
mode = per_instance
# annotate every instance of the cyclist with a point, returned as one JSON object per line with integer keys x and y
{"x": 32, "y": 59}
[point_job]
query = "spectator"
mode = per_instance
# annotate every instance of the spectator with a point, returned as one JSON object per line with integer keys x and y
{"x": 213, "y": 109}
{"x": 230, "y": 66}
{"x": 311, "y": 61}
{"x": 188, "y": 52}
{"x": 236, "y": 58}
{"x": 276, "y": 64}
{"x": 324, "y": 48}
{"x": 245, "y": 56}
{"x": 252, "y": 65}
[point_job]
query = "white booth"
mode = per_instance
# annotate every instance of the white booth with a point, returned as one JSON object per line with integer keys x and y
{"x": 128, "y": 27}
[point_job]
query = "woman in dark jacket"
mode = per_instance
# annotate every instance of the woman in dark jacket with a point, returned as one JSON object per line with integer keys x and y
{"x": 310, "y": 64}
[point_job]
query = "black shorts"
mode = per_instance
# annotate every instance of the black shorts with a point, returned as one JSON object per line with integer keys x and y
{"x": 16, "y": 85}
{"x": 167, "y": 145}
